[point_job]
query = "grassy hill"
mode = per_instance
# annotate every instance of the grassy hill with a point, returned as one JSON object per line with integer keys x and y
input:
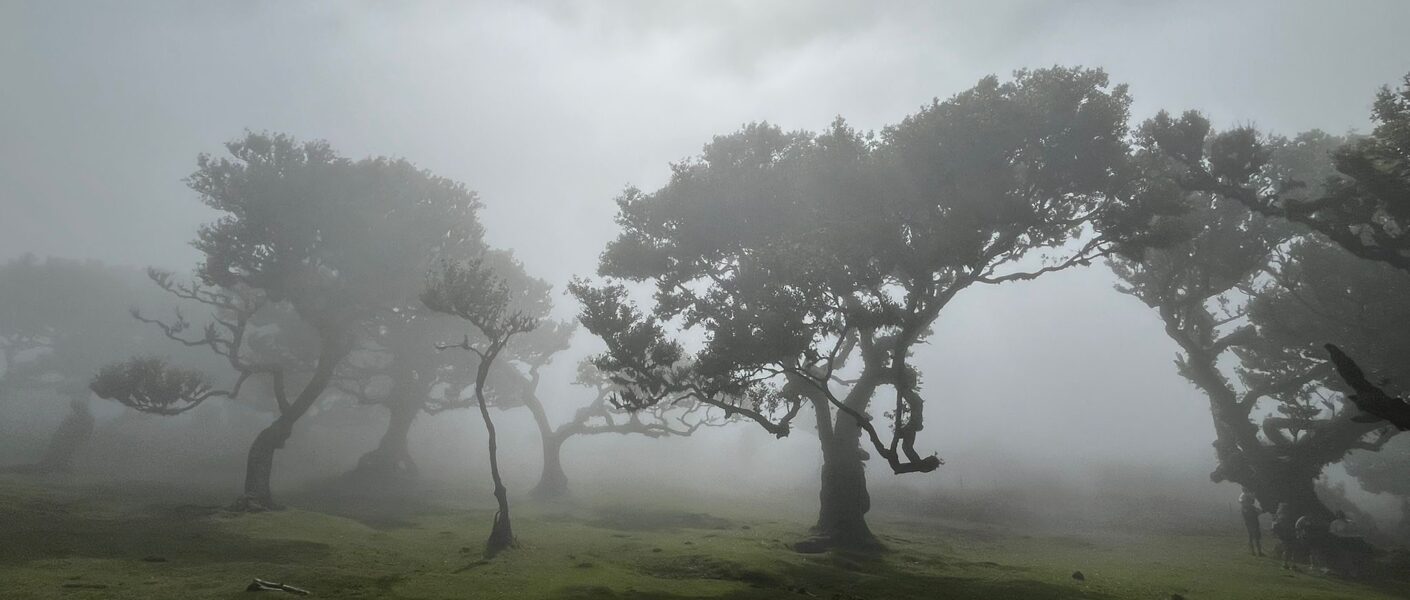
{"x": 71, "y": 541}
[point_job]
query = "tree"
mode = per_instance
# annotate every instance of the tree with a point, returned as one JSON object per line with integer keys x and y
{"x": 1362, "y": 203}
{"x": 513, "y": 382}
{"x": 396, "y": 368}
{"x": 399, "y": 370}
{"x": 331, "y": 242}
{"x": 811, "y": 265}
{"x": 1325, "y": 294}
{"x": 58, "y": 323}
{"x": 472, "y": 291}
{"x": 1364, "y": 206}
{"x": 150, "y": 385}
{"x": 1259, "y": 294}
{"x": 602, "y": 416}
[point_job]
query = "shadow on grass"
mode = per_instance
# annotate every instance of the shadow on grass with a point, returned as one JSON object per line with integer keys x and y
{"x": 839, "y": 577}
{"x": 382, "y": 503}
{"x": 55, "y": 528}
{"x": 811, "y": 584}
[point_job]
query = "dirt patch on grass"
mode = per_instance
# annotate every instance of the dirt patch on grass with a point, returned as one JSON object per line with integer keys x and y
{"x": 53, "y": 527}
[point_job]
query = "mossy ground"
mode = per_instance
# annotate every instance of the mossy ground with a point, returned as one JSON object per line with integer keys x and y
{"x": 100, "y": 542}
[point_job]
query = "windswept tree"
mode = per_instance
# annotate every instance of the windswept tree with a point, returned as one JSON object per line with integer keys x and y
{"x": 514, "y": 379}
{"x": 1360, "y": 199}
{"x": 809, "y": 266}
{"x": 304, "y": 232}
{"x": 1254, "y": 293}
{"x": 150, "y": 385}
{"x": 1319, "y": 294}
{"x": 515, "y": 383}
{"x": 602, "y": 415}
{"x": 472, "y": 291}
{"x": 1364, "y": 205}
{"x": 397, "y": 369}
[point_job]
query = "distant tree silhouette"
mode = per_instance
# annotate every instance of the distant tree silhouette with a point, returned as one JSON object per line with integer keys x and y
{"x": 59, "y": 320}
{"x": 315, "y": 244}
{"x": 601, "y": 415}
{"x": 396, "y": 368}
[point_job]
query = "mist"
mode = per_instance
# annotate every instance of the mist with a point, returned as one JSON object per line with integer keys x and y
{"x": 491, "y": 186}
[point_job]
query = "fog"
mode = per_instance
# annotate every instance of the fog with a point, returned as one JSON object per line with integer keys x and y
{"x": 1053, "y": 403}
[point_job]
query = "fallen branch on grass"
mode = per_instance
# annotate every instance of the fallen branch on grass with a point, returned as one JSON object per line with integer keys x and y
{"x": 260, "y": 585}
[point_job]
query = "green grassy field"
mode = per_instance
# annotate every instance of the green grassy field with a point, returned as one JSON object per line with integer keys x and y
{"x": 146, "y": 543}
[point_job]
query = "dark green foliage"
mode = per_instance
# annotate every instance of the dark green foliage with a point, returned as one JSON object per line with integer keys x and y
{"x": 152, "y": 386}
{"x": 788, "y": 251}
{"x": 1363, "y": 204}
{"x": 1356, "y": 193}
{"x": 1321, "y": 294}
{"x": 1255, "y": 291}
{"x": 473, "y": 291}
{"x": 794, "y": 269}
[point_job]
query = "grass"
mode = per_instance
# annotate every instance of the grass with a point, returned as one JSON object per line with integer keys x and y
{"x": 78, "y": 542}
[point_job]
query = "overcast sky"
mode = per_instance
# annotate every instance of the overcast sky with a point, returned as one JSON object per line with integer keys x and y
{"x": 550, "y": 109}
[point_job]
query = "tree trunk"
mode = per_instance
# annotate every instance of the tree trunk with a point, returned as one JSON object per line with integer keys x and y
{"x": 259, "y": 465}
{"x": 501, "y": 534}
{"x": 843, "y": 498}
{"x": 1291, "y": 482}
{"x": 68, "y": 439}
{"x": 259, "y": 468}
{"x": 391, "y": 459}
{"x": 553, "y": 482}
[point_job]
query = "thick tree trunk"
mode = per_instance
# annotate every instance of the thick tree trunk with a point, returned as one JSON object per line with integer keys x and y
{"x": 259, "y": 468}
{"x": 391, "y": 459}
{"x": 1291, "y": 480}
{"x": 843, "y": 497}
{"x": 1302, "y": 495}
{"x": 68, "y": 439}
{"x": 843, "y": 500}
{"x": 553, "y": 482}
{"x": 1245, "y": 459}
{"x": 259, "y": 465}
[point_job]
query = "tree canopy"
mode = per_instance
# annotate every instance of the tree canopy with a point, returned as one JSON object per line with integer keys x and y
{"x": 785, "y": 252}
{"x": 307, "y": 232}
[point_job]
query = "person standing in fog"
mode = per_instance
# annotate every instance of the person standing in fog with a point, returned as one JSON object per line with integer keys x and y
{"x": 1284, "y": 527}
{"x": 1249, "y": 509}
